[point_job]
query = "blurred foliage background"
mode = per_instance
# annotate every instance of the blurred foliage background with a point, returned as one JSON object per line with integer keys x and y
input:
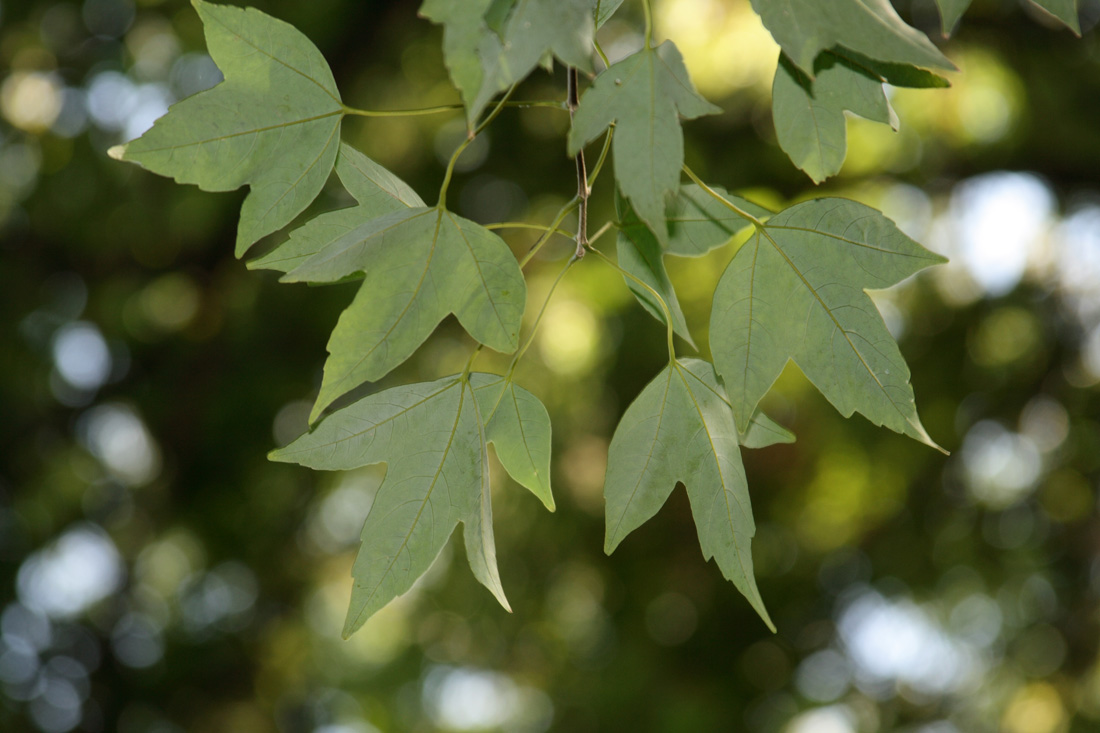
{"x": 157, "y": 574}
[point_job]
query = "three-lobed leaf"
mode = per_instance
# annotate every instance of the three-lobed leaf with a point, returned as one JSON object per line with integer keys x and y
{"x": 273, "y": 123}
{"x": 681, "y": 429}
{"x": 431, "y": 439}
{"x": 377, "y": 191}
{"x": 796, "y": 290}
{"x": 643, "y": 96}
{"x": 420, "y": 265}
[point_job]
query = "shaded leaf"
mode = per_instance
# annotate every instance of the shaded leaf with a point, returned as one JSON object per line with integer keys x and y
{"x": 420, "y": 264}
{"x": 805, "y": 28}
{"x": 809, "y": 113}
{"x": 698, "y": 222}
{"x": 796, "y": 290}
{"x": 378, "y": 192}
{"x": 518, "y": 426}
{"x": 605, "y": 9}
{"x": 467, "y": 37}
{"x": 763, "y": 432}
{"x": 431, "y": 440}
{"x": 642, "y": 94}
{"x": 274, "y": 123}
{"x": 681, "y": 429}
{"x": 899, "y": 75}
{"x": 1063, "y": 10}
{"x": 950, "y": 13}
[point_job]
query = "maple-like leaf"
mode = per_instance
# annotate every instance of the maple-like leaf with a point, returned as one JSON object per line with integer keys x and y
{"x": 273, "y": 123}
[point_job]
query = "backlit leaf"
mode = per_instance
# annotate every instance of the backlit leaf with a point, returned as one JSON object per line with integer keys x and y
{"x": 376, "y": 189}
{"x": 273, "y": 124}
{"x": 681, "y": 429}
{"x": 431, "y": 440}
{"x": 420, "y": 264}
{"x": 805, "y": 28}
{"x": 795, "y": 290}
{"x": 642, "y": 95}
{"x": 518, "y": 426}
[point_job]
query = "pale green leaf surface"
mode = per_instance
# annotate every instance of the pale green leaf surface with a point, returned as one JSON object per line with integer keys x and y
{"x": 698, "y": 222}
{"x": 950, "y": 13}
{"x": 1063, "y": 10}
{"x": 273, "y": 124}
{"x": 518, "y": 426}
{"x": 605, "y": 9}
{"x": 420, "y": 265}
{"x": 431, "y": 439}
{"x": 805, "y": 28}
{"x": 378, "y": 192}
{"x": 467, "y": 38}
{"x": 681, "y": 429}
{"x": 796, "y": 290}
{"x": 640, "y": 254}
{"x": 810, "y": 124}
{"x": 763, "y": 432}
{"x": 642, "y": 94}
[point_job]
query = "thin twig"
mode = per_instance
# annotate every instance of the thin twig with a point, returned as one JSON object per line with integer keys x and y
{"x": 582, "y": 174}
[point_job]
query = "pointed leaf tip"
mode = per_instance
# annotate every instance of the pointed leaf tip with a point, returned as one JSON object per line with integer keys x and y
{"x": 116, "y": 151}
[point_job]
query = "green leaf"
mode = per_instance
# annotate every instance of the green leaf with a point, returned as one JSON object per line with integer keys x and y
{"x": 431, "y": 439}
{"x": 899, "y": 75}
{"x": 640, "y": 254}
{"x": 809, "y": 113}
{"x": 698, "y": 222}
{"x": 950, "y": 13}
{"x": 681, "y": 429}
{"x": 518, "y": 426}
{"x": 641, "y": 95}
{"x": 763, "y": 432}
{"x": 274, "y": 123}
{"x": 483, "y": 63}
{"x": 605, "y": 9}
{"x": 795, "y": 290}
{"x": 805, "y": 28}
{"x": 1063, "y": 10}
{"x": 420, "y": 265}
{"x": 378, "y": 192}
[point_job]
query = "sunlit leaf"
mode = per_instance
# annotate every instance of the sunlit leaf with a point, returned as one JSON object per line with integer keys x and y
{"x": 796, "y": 290}
{"x": 378, "y": 192}
{"x": 642, "y": 95}
{"x": 431, "y": 440}
{"x": 805, "y": 28}
{"x": 274, "y": 123}
{"x": 681, "y": 429}
{"x": 518, "y": 426}
{"x": 420, "y": 264}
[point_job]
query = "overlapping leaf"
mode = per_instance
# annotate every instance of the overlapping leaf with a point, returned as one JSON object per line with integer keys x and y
{"x": 420, "y": 264}
{"x": 488, "y": 46}
{"x": 518, "y": 426}
{"x": 431, "y": 438}
{"x": 642, "y": 95}
{"x": 805, "y": 28}
{"x": 681, "y": 429}
{"x": 378, "y": 192}
{"x": 1063, "y": 10}
{"x": 274, "y": 123}
{"x": 795, "y": 290}
{"x": 696, "y": 223}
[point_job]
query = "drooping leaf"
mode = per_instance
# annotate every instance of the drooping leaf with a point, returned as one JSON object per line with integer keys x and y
{"x": 950, "y": 12}
{"x": 518, "y": 426}
{"x": 274, "y": 123}
{"x": 420, "y": 264}
{"x": 486, "y": 55}
{"x": 681, "y": 429}
{"x": 378, "y": 192}
{"x": 805, "y": 28}
{"x": 809, "y": 113}
{"x": 1063, "y": 10}
{"x": 431, "y": 439}
{"x": 698, "y": 222}
{"x": 605, "y": 9}
{"x": 642, "y": 94}
{"x": 796, "y": 290}
{"x": 640, "y": 254}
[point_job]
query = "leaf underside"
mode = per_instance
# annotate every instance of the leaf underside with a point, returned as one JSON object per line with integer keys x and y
{"x": 273, "y": 123}
{"x": 795, "y": 290}
{"x": 681, "y": 429}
